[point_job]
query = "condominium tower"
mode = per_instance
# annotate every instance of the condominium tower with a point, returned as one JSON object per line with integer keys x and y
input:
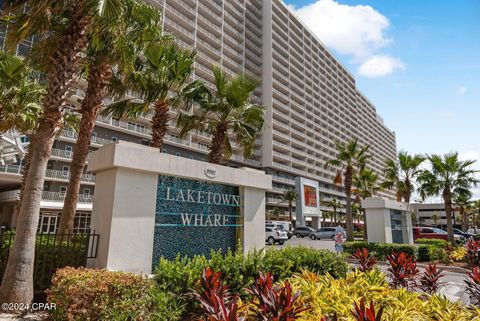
{"x": 311, "y": 101}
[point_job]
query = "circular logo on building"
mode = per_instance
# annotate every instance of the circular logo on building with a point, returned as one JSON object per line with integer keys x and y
{"x": 210, "y": 172}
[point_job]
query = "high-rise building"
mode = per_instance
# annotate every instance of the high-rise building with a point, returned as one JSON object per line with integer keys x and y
{"x": 311, "y": 102}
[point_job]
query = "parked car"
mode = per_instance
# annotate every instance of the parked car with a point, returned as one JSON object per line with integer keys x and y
{"x": 303, "y": 231}
{"x": 280, "y": 226}
{"x": 275, "y": 235}
{"x": 434, "y": 233}
{"x": 467, "y": 235}
{"x": 327, "y": 233}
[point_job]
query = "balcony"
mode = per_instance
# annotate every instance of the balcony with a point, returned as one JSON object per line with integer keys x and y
{"x": 65, "y": 176}
{"x": 60, "y": 197}
{"x": 11, "y": 169}
{"x": 61, "y": 154}
{"x": 128, "y": 126}
{"x": 72, "y": 135}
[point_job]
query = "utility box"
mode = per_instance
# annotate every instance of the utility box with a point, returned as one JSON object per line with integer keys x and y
{"x": 388, "y": 221}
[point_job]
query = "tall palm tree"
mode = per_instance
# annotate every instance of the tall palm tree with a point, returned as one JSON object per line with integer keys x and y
{"x": 401, "y": 174}
{"x": 351, "y": 157}
{"x": 366, "y": 185}
{"x": 335, "y": 204}
{"x": 60, "y": 28}
{"x": 463, "y": 203}
{"x": 448, "y": 177}
{"x": 227, "y": 108}
{"x": 290, "y": 196}
{"x": 160, "y": 78}
{"x": 112, "y": 47}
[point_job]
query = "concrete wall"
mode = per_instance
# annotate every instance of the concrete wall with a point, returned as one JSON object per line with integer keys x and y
{"x": 126, "y": 194}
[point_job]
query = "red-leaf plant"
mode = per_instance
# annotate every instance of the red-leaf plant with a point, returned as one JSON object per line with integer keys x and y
{"x": 274, "y": 302}
{"x": 362, "y": 313}
{"x": 472, "y": 251}
{"x": 217, "y": 303}
{"x": 473, "y": 286}
{"x": 402, "y": 270}
{"x": 430, "y": 279}
{"x": 364, "y": 261}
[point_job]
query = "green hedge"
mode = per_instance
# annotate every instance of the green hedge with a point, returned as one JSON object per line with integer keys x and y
{"x": 435, "y": 242}
{"x": 421, "y": 252}
{"x": 239, "y": 270}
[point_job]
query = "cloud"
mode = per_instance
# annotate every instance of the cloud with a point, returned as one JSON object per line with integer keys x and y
{"x": 380, "y": 65}
{"x": 357, "y": 31}
{"x": 461, "y": 90}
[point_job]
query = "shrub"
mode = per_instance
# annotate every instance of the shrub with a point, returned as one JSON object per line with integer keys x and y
{"x": 364, "y": 261}
{"x": 217, "y": 303}
{"x": 239, "y": 270}
{"x": 472, "y": 252}
{"x": 435, "y": 242}
{"x": 327, "y": 296}
{"x": 274, "y": 302}
{"x": 430, "y": 279}
{"x": 402, "y": 270}
{"x": 458, "y": 254}
{"x": 473, "y": 286}
{"x": 86, "y": 294}
{"x": 362, "y": 313}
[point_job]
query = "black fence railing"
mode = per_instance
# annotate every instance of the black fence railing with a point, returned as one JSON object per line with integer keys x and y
{"x": 52, "y": 251}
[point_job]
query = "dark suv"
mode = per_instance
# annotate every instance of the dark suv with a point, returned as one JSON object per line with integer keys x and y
{"x": 303, "y": 231}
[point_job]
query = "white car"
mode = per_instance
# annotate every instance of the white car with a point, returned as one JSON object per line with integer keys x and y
{"x": 275, "y": 235}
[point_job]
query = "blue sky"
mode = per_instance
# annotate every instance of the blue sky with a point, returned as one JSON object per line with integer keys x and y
{"x": 417, "y": 61}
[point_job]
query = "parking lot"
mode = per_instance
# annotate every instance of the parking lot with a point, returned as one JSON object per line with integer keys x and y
{"x": 317, "y": 244}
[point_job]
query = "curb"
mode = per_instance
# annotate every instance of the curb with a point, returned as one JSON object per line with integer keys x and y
{"x": 453, "y": 269}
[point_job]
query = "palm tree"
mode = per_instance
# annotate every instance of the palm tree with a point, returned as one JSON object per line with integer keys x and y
{"x": 113, "y": 46}
{"x": 400, "y": 174}
{"x": 350, "y": 158}
{"x": 290, "y": 196}
{"x": 226, "y": 109}
{"x": 463, "y": 204}
{"x": 366, "y": 185}
{"x": 435, "y": 218}
{"x": 20, "y": 96}
{"x": 448, "y": 177}
{"x": 335, "y": 204}
{"x": 60, "y": 28}
{"x": 164, "y": 69}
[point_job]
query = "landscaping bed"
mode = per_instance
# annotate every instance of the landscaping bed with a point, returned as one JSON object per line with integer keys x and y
{"x": 288, "y": 284}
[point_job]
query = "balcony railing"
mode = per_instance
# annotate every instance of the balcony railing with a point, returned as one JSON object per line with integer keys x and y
{"x": 13, "y": 169}
{"x": 60, "y": 197}
{"x": 65, "y": 175}
{"x": 60, "y": 153}
{"x": 70, "y": 134}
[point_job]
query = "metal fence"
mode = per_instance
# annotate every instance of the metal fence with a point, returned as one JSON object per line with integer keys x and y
{"x": 52, "y": 251}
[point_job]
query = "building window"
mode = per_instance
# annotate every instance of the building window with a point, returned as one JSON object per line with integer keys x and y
{"x": 63, "y": 190}
{"x": 65, "y": 169}
{"x": 177, "y": 154}
{"x": 86, "y": 191}
{"x": 93, "y": 137}
{"x": 68, "y": 150}
{"x": 82, "y": 222}
{"x": 114, "y": 138}
{"x": 48, "y": 222}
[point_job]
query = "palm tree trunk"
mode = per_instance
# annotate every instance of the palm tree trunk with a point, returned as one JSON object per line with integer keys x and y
{"x": 448, "y": 210}
{"x": 348, "y": 193}
{"x": 219, "y": 141}
{"x": 98, "y": 80}
{"x": 290, "y": 211}
{"x": 159, "y": 123}
{"x": 17, "y": 282}
{"x": 464, "y": 219}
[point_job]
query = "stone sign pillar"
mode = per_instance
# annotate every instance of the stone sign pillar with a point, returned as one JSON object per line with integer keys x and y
{"x": 149, "y": 204}
{"x": 308, "y": 200}
{"x": 388, "y": 221}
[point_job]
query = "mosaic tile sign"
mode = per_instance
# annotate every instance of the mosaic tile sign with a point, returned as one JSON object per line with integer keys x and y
{"x": 194, "y": 217}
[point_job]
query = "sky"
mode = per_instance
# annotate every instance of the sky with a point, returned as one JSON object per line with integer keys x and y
{"x": 417, "y": 61}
